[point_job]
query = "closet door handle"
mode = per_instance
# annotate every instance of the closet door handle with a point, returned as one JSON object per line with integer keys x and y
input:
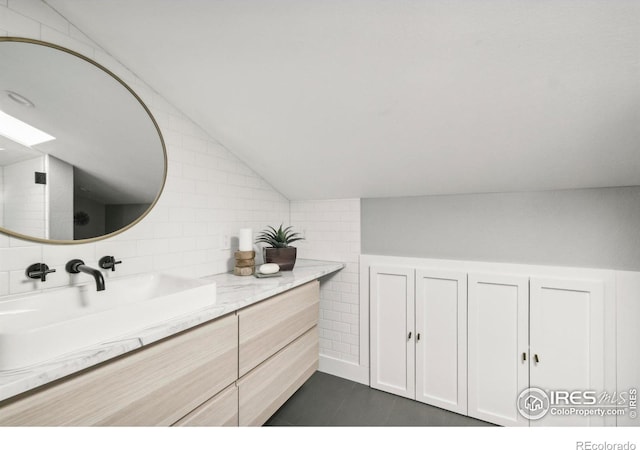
{"x": 524, "y": 356}
{"x": 409, "y": 337}
{"x": 535, "y": 358}
{"x": 418, "y": 337}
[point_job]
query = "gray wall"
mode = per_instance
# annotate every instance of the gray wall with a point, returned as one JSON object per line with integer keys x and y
{"x": 96, "y": 211}
{"x": 119, "y": 216}
{"x": 583, "y": 227}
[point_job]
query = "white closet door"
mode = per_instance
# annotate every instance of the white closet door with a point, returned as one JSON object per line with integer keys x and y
{"x": 498, "y": 337}
{"x": 392, "y": 329}
{"x": 567, "y": 340}
{"x": 441, "y": 339}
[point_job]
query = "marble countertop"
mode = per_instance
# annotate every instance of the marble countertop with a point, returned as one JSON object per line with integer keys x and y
{"x": 233, "y": 293}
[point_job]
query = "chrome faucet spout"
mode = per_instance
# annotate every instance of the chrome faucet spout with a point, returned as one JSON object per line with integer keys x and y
{"x": 77, "y": 266}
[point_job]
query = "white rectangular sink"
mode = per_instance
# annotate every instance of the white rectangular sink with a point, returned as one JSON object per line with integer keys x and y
{"x": 37, "y": 327}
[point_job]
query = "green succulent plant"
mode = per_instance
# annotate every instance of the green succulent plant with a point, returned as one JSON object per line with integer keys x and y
{"x": 280, "y": 238}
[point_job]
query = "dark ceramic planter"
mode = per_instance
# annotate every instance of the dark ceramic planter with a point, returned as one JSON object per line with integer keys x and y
{"x": 284, "y": 257}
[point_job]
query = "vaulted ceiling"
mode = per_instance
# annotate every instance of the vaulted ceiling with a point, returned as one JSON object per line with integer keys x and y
{"x": 366, "y": 98}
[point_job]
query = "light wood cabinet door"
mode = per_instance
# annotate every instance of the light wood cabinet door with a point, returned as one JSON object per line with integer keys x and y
{"x": 220, "y": 411}
{"x": 567, "y": 342}
{"x": 156, "y": 385}
{"x": 441, "y": 339}
{"x": 268, "y": 326}
{"x": 392, "y": 293}
{"x": 265, "y": 389}
{"x": 498, "y": 337}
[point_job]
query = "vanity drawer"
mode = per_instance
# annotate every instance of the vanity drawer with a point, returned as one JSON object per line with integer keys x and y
{"x": 220, "y": 411}
{"x": 156, "y": 385}
{"x": 265, "y": 389}
{"x": 268, "y": 326}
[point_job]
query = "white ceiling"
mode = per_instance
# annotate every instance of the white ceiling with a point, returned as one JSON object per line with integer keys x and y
{"x": 365, "y": 98}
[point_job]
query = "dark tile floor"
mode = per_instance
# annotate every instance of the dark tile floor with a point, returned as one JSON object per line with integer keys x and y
{"x": 326, "y": 400}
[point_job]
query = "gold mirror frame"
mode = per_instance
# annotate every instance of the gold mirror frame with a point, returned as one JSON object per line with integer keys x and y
{"x": 146, "y": 109}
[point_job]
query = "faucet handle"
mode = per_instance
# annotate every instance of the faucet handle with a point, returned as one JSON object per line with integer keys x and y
{"x": 108, "y": 262}
{"x": 38, "y": 271}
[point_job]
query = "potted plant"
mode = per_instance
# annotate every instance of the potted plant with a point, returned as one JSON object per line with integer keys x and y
{"x": 280, "y": 252}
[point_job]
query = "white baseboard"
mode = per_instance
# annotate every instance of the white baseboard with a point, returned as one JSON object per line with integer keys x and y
{"x": 344, "y": 369}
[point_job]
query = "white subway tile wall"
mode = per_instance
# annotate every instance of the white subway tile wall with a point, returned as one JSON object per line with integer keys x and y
{"x": 332, "y": 232}
{"x": 209, "y": 195}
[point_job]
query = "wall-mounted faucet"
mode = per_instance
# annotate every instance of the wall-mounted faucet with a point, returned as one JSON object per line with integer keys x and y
{"x": 77, "y": 266}
{"x": 108, "y": 262}
{"x": 38, "y": 271}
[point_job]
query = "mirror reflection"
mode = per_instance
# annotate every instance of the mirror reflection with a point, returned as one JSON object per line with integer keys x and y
{"x": 81, "y": 157}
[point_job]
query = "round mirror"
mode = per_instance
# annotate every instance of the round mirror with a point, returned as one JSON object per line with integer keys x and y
{"x": 81, "y": 157}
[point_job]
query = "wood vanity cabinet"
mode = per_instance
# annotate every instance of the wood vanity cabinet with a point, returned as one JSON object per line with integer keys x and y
{"x": 278, "y": 351}
{"x": 268, "y": 326}
{"x": 191, "y": 379}
{"x": 221, "y": 410}
{"x": 155, "y": 385}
